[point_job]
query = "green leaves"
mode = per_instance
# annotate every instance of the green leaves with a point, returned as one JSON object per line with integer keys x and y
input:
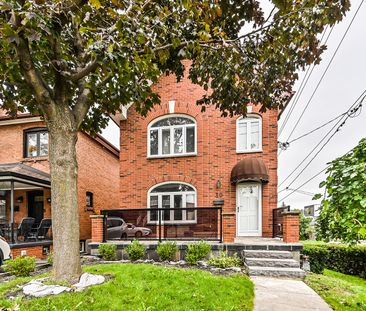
{"x": 135, "y": 42}
{"x": 95, "y": 3}
{"x": 343, "y": 212}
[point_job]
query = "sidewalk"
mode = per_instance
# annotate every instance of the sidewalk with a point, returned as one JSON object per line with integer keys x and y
{"x": 285, "y": 295}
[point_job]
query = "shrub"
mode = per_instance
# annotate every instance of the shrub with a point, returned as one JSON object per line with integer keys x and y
{"x": 338, "y": 257}
{"x": 135, "y": 250}
{"x": 108, "y": 251}
{"x": 197, "y": 251}
{"x": 305, "y": 227}
{"x": 225, "y": 261}
{"x": 167, "y": 251}
{"x": 50, "y": 258}
{"x": 21, "y": 266}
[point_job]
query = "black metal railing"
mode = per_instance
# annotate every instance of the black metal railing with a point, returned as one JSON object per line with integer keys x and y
{"x": 194, "y": 223}
{"x": 278, "y": 221}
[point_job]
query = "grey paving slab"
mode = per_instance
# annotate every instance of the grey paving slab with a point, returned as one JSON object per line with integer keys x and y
{"x": 273, "y": 294}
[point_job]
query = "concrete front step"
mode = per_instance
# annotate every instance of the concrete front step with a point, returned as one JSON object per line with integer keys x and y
{"x": 276, "y": 272}
{"x": 272, "y": 262}
{"x": 267, "y": 254}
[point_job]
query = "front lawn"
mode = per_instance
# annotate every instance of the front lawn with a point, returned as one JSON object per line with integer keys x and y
{"x": 341, "y": 291}
{"x": 139, "y": 287}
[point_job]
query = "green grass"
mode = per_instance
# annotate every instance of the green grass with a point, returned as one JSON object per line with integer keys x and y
{"x": 139, "y": 287}
{"x": 340, "y": 291}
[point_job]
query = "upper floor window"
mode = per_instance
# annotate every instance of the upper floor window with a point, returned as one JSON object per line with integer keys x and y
{"x": 36, "y": 143}
{"x": 249, "y": 134}
{"x": 172, "y": 136}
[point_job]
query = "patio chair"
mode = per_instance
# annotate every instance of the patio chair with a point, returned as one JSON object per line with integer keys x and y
{"x": 25, "y": 227}
{"x": 40, "y": 233}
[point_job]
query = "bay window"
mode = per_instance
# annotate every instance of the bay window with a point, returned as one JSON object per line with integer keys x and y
{"x": 172, "y": 136}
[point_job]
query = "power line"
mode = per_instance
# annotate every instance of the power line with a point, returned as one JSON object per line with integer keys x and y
{"x": 349, "y": 114}
{"x": 305, "y": 183}
{"x": 302, "y": 85}
{"x": 285, "y": 145}
{"x": 325, "y": 71}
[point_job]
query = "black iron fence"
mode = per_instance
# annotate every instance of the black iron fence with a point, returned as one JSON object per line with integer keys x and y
{"x": 278, "y": 221}
{"x": 198, "y": 223}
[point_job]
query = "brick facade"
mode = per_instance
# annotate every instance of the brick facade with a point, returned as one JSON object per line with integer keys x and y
{"x": 291, "y": 226}
{"x": 98, "y": 168}
{"x": 216, "y": 155}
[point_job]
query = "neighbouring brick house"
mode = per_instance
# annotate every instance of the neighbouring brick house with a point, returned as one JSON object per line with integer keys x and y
{"x": 24, "y": 169}
{"x": 178, "y": 156}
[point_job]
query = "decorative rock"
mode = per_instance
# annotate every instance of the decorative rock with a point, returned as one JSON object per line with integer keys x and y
{"x": 35, "y": 288}
{"x": 202, "y": 264}
{"x": 182, "y": 263}
{"x": 235, "y": 269}
{"x": 87, "y": 280}
{"x": 173, "y": 263}
{"x": 148, "y": 261}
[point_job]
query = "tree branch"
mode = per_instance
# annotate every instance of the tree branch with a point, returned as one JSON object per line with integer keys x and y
{"x": 82, "y": 104}
{"x": 33, "y": 78}
{"x": 83, "y": 72}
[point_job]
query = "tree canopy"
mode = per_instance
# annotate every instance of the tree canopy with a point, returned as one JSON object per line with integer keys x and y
{"x": 343, "y": 208}
{"x": 98, "y": 55}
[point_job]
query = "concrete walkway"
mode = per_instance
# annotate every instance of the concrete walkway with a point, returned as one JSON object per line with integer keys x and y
{"x": 285, "y": 295}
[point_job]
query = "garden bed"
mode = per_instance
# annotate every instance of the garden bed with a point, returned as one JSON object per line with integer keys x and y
{"x": 146, "y": 287}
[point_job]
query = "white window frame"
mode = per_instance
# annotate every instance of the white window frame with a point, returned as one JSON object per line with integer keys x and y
{"x": 171, "y": 194}
{"x": 172, "y": 129}
{"x": 248, "y": 121}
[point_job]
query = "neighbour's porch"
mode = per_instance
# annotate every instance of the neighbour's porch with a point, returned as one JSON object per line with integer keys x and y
{"x": 25, "y": 207}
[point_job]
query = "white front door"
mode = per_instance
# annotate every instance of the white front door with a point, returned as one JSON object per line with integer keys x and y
{"x": 249, "y": 209}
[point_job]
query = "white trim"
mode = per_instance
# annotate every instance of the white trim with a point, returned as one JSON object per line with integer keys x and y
{"x": 20, "y": 120}
{"x": 172, "y": 128}
{"x": 171, "y": 194}
{"x": 248, "y": 121}
{"x": 246, "y": 184}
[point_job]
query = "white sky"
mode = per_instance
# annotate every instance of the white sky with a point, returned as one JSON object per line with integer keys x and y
{"x": 341, "y": 86}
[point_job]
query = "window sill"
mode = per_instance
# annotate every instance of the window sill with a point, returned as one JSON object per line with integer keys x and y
{"x": 172, "y": 156}
{"x": 249, "y": 151}
{"x": 35, "y": 159}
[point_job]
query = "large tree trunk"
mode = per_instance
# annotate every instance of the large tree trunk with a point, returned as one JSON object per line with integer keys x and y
{"x": 65, "y": 212}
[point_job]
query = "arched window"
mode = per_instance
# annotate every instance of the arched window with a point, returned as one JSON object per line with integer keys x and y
{"x": 249, "y": 134}
{"x": 175, "y": 199}
{"x": 172, "y": 136}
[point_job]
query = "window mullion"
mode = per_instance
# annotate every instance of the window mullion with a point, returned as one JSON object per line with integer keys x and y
{"x": 249, "y": 136}
{"x": 184, "y": 129}
{"x": 184, "y": 205}
{"x": 172, "y": 129}
{"x": 160, "y": 142}
{"x": 38, "y": 142}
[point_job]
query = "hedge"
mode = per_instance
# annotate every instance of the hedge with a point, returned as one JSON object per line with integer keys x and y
{"x": 338, "y": 257}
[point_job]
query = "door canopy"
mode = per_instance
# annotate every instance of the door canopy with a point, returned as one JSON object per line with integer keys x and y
{"x": 249, "y": 169}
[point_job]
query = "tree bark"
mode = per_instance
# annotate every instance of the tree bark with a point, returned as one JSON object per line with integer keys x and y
{"x": 65, "y": 213}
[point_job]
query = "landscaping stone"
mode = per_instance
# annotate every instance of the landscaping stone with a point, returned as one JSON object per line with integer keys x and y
{"x": 36, "y": 288}
{"x": 87, "y": 280}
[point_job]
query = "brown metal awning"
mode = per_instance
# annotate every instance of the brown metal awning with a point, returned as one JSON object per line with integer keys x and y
{"x": 250, "y": 169}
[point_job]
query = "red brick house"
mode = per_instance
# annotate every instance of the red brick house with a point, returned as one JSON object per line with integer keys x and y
{"x": 24, "y": 171}
{"x": 179, "y": 157}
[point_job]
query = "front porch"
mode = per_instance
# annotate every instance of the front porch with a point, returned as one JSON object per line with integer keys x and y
{"x": 25, "y": 209}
